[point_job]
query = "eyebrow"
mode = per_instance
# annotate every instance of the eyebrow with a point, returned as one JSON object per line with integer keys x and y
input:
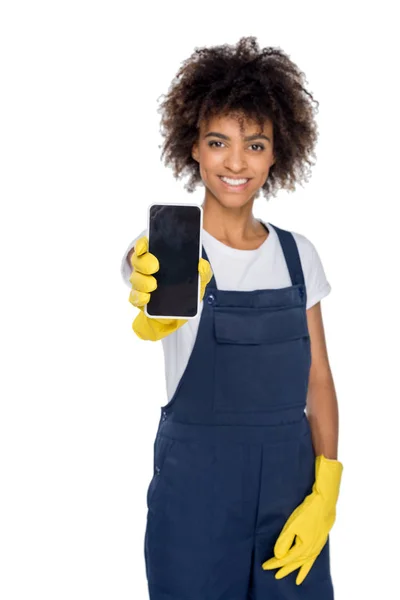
{"x": 246, "y": 139}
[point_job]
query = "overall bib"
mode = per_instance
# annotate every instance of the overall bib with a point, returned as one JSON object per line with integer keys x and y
{"x": 233, "y": 455}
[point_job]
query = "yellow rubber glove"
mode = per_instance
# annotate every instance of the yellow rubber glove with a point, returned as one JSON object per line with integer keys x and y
{"x": 144, "y": 264}
{"x": 309, "y": 523}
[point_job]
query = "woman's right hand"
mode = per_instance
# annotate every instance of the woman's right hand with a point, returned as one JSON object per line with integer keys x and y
{"x": 143, "y": 283}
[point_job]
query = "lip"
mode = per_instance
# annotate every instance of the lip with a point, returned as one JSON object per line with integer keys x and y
{"x": 235, "y": 188}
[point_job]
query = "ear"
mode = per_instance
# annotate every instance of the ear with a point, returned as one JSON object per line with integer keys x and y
{"x": 195, "y": 152}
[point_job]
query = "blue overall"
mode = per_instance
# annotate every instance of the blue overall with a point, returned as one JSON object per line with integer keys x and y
{"x": 233, "y": 455}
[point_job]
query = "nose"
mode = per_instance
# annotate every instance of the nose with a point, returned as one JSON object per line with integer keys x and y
{"x": 235, "y": 160}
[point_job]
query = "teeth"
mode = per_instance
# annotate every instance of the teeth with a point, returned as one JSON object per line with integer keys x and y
{"x": 234, "y": 181}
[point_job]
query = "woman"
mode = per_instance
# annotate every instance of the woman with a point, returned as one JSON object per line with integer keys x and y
{"x": 246, "y": 477}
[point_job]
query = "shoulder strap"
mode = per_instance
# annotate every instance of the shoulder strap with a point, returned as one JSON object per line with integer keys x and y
{"x": 291, "y": 254}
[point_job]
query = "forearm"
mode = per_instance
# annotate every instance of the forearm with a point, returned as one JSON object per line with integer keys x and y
{"x": 323, "y": 413}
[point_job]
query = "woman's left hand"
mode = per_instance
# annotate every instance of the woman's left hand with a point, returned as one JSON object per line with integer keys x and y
{"x": 309, "y": 523}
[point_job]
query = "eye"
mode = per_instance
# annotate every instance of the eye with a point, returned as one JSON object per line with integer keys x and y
{"x": 260, "y": 146}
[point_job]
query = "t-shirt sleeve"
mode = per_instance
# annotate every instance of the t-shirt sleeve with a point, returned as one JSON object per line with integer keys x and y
{"x": 126, "y": 268}
{"x": 317, "y": 284}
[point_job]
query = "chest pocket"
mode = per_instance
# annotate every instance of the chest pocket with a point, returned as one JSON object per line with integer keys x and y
{"x": 262, "y": 358}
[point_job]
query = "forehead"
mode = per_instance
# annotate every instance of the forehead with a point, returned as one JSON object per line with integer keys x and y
{"x": 235, "y": 125}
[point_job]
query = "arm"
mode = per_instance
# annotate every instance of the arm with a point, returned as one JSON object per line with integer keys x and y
{"x": 322, "y": 406}
{"x": 306, "y": 531}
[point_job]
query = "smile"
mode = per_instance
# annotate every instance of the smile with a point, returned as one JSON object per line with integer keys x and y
{"x": 234, "y": 183}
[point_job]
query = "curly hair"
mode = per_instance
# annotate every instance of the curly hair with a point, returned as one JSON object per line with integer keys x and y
{"x": 247, "y": 83}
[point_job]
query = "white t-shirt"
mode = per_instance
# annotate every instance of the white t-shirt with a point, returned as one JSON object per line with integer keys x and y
{"x": 241, "y": 270}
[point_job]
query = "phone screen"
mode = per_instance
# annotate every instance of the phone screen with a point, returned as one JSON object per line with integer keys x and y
{"x": 174, "y": 238}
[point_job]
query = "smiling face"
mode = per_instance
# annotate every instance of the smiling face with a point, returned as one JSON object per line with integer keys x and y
{"x": 227, "y": 155}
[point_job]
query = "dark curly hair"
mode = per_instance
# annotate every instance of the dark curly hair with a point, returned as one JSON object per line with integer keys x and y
{"x": 245, "y": 82}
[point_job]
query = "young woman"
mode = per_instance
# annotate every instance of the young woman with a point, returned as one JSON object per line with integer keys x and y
{"x": 246, "y": 477}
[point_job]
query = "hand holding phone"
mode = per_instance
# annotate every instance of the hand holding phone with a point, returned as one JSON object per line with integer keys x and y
{"x": 145, "y": 264}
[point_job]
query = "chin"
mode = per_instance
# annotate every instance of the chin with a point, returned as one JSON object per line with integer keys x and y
{"x": 231, "y": 200}
{"x": 235, "y": 201}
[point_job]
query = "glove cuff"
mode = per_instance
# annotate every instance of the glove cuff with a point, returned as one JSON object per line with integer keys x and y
{"x": 328, "y": 475}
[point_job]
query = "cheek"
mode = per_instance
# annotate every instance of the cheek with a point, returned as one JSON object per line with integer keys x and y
{"x": 209, "y": 168}
{"x": 262, "y": 172}
{"x": 211, "y": 161}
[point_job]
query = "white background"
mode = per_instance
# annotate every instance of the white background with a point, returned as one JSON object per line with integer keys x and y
{"x": 80, "y": 163}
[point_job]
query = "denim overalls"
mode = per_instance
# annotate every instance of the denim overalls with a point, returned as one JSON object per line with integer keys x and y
{"x": 233, "y": 455}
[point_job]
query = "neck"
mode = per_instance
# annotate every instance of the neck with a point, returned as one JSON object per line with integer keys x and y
{"x": 235, "y": 226}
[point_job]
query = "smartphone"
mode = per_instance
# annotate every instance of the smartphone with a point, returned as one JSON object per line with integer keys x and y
{"x": 174, "y": 233}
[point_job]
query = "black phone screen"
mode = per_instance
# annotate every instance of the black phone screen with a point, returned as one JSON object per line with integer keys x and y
{"x": 174, "y": 238}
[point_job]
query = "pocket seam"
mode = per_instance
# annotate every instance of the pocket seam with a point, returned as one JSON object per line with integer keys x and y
{"x": 159, "y": 461}
{"x": 305, "y": 440}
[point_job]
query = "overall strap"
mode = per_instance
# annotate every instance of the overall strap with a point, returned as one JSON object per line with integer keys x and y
{"x": 291, "y": 254}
